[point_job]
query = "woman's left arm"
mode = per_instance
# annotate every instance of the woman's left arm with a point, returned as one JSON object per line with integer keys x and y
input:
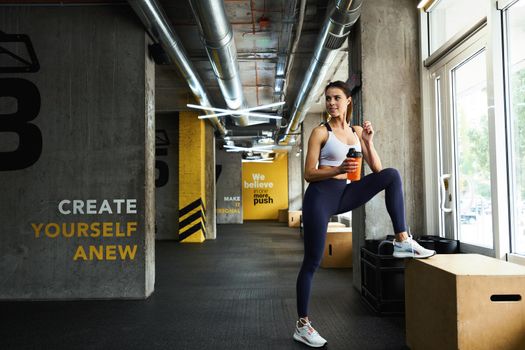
{"x": 366, "y": 136}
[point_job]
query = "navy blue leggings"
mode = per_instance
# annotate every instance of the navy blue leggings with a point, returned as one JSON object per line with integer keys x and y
{"x": 329, "y": 197}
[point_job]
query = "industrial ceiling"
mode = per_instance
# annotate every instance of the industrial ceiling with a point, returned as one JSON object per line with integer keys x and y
{"x": 275, "y": 41}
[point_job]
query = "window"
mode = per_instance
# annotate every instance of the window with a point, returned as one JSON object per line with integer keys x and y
{"x": 449, "y": 17}
{"x": 515, "y": 61}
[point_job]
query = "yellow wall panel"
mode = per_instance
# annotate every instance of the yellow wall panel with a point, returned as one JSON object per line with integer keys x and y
{"x": 265, "y": 188}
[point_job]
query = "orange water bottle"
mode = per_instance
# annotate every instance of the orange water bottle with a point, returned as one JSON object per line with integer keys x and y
{"x": 358, "y": 157}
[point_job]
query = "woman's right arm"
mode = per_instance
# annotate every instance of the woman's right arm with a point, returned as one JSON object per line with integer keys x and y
{"x": 311, "y": 172}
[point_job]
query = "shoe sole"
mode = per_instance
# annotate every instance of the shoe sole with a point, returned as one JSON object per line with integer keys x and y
{"x": 298, "y": 338}
{"x": 402, "y": 255}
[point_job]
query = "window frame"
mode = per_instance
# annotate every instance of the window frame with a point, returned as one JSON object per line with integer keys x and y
{"x": 457, "y": 38}
{"x": 497, "y": 133}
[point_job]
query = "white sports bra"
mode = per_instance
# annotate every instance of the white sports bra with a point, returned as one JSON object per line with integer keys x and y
{"x": 334, "y": 151}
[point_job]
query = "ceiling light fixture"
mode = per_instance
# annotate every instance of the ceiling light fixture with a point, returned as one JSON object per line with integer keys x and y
{"x": 246, "y": 111}
{"x": 261, "y": 149}
{"x": 258, "y": 115}
{"x": 269, "y": 160}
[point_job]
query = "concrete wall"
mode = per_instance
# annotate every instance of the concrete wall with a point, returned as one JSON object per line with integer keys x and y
{"x": 229, "y": 188}
{"x": 167, "y": 179}
{"x": 149, "y": 144}
{"x": 91, "y": 140}
{"x": 295, "y": 177}
{"x": 391, "y": 100}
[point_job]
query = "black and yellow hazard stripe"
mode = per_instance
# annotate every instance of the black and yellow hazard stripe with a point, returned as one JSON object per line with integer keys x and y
{"x": 192, "y": 222}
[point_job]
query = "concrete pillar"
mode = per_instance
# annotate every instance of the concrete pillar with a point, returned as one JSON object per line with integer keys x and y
{"x": 391, "y": 100}
{"x": 77, "y": 156}
{"x": 229, "y": 187}
{"x": 295, "y": 176}
{"x": 192, "y": 178}
{"x": 168, "y": 162}
{"x": 167, "y": 179}
{"x": 210, "y": 182}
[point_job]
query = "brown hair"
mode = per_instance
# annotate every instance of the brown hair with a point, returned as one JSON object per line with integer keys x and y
{"x": 346, "y": 90}
{"x": 340, "y": 85}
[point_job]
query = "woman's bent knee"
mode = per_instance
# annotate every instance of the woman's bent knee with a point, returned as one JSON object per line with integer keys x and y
{"x": 391, "y": 173}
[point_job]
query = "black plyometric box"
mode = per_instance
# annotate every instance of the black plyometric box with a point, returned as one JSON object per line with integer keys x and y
{"x": 440, "y": 244}
{"x": 382, "y": 279}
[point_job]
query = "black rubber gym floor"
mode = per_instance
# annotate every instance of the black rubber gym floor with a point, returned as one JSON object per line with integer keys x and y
{"x": 236, "y": 292}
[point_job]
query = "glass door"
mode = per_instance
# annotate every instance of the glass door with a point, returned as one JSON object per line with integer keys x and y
{"x": 459, "y": 89}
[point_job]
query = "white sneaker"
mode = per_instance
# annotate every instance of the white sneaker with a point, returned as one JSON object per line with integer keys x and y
{"x": 411, "y": 249}
{"x": 305, "y": 333}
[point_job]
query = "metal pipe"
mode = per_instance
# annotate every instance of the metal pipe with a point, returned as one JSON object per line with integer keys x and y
{"x": 298, "y": 31}
{"x": 217, "y": 37}
{"x": 340, "y": 18}
{"x": 285, "y": 54}
{"x": 156, "y": 23}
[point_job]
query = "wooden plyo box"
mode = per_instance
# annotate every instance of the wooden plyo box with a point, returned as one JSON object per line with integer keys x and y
{"x": 294, "y": 218}
{"x": 464, "y": 301}
{"x": 338, "y": 248}
{"x": 336, "y": 224}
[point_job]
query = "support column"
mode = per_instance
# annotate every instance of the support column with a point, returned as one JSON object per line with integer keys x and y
{"x": 391, "y": 100}
{"x": 229, "y": 187}
{"x": 167, "y": 182}
{"x": 192, "y": 177}
{"x": 210, "y": 182}
{"x": 76, "y": 154}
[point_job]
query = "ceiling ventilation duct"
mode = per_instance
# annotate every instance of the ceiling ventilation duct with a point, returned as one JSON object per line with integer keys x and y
{"x": 217, "y": 36}
{"x": 340, "y": 18}
{"x": 154, "y": 19}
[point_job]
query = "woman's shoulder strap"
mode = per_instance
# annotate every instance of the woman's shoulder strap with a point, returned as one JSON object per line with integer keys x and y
{"x": 327, "y": 124}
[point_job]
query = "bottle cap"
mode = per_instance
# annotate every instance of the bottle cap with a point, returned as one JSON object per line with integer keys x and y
{"x": 352, "y": 153}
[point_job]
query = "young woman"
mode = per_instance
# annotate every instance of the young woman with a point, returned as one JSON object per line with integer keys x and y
{"x": 328, "y": 194}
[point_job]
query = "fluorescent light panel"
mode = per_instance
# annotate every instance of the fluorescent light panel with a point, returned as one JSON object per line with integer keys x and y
{"x": 258, "y": 115}
{"x": 269, "y": 160}
{"x": 260, "y": 149}
{"x": 246, "y": 111}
